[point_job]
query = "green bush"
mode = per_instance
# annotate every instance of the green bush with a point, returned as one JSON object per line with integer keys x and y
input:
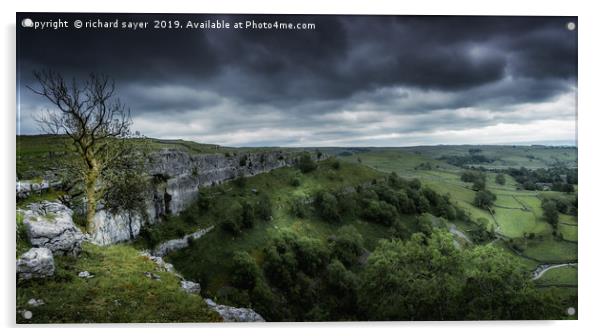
{"x": 306, "y": 164}
{"x": 299, "y": 207}
{"x": 343, "y": 285}
{"x": 404, "y": 203}
{"x": 327, "y": 207}
{"x": 295, "y": 182}
{"x": 242, "y": 161}
{"x": 484, "y": 199}
{"x": 280, "y": 263}
{"x": 240, "y": 182}
{"x": 248, "y": 214}
{"x": 245, "y": 271}
{"x": 380, "y": 212}
{"x": 500, "y": 179}
{"x": 347, "y": 245}
{"x": 264, "y": 207}
{"x": 550, "y": 212}
{"x": 204, "y": 199}
{"x": 415, "y": 184}
{"x": 233, "y": 218}
{"x": 311, "y": 255}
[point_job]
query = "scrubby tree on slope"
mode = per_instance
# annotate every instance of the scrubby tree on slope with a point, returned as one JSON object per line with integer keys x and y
{"x": 97, "y": 125}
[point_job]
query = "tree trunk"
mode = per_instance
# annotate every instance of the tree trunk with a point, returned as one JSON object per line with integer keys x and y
{"x": 91, "y": 178}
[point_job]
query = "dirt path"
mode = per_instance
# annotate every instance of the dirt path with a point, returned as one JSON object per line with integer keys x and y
{"x": 543, "y": 268}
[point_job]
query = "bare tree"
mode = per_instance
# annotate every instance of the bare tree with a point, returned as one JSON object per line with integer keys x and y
{"x": 95, "y": 121}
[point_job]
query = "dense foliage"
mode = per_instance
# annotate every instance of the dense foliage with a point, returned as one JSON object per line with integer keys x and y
{"x": 424, "y": 277}
{"x": 556, "y": 178}
{"x": 418, "y": 274}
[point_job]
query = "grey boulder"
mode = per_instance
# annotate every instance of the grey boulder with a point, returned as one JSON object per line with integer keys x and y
{"x": 50, "y": 225}
{"x": 190, "y": 287}
{"x": 35, "y": 263}
{"x": 232, "y": 314}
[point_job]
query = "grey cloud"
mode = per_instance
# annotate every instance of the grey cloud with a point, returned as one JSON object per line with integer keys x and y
{"x": 419, "y": 74}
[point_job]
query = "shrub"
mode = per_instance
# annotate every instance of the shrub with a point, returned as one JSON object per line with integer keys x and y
{"x": 347, "y": 203}
{"x": 295, "y": 182}
{"x": 336, "y": 165}
{"x": 204, "y": 200}
{"x": 380, "y": 212}
{"x": 550, "y": 212}
{"x": 311, "y": 255}
{"x": 405, "y": 204}
{"x": 481, "y": 232}
{"x": 244, "y": 270}
{"x": 242, "y": 161}
{"x": 299, "y": 207}
{"x": 421, "y": 203}
{"x": 232, "y": 218}
{"x": 264, "y": 207}
{"x": 478, "y": 179}
{"x": 343, "y": 285}
{"x": 327, "y": 206}
{"x": 347, "y": 245}
{"x": 306, "y": 164}
{"x": 240, "y": 181}
{"x": 395, "y": 181}
{"x": 484, "y": 199}
{"x": 280, "y": 264}
{"x": 500, "y": 179}
{"x": 248, "y": 214}
{"x": 415, "y": 184}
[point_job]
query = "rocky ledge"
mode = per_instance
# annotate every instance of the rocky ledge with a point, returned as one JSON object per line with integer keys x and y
{"x": 50, "y": 225}
{"x": 232, "y": 314}
{"x": 180, "y": 243}
{"x": 35, "y": 263}
{"x": 228, "y": 313}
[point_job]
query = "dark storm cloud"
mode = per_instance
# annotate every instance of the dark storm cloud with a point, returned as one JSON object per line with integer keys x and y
{"x": 389, "y": 66}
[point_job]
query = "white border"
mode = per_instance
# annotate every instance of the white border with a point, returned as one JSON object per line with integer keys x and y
{"x": 589, "y": 157}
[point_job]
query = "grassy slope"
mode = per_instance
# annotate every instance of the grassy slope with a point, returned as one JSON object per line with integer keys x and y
{"x": 559, "y": 276}
{"x": 516, "y": 211}
{"x": 118, "y": 293}
{"x": 525, "y": 215}
{"x": 208, "y": 260}
{"x": 507, "y": 156}
{"x": 37, "y": 154}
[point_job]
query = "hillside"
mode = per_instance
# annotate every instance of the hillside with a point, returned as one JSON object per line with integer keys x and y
{"x": 305, "y": 240}
{"x": 118, "y": 292}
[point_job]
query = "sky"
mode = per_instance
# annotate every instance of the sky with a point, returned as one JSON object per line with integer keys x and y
{"x": 352, "y": 81}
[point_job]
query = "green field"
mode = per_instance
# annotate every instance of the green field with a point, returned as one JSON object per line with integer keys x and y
{"x": 516, "y": 212}
{"x": 563, "y": 276}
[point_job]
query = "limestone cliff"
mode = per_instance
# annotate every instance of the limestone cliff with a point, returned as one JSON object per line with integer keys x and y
{"x": 177, "y": 177}
{"x": 180, "y": 174}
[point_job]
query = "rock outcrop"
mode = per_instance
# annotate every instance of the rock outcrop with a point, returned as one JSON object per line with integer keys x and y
{"x": 50, "y": 225}
{"x": 229, "y": 314}
{"x": 35, "y": 263}
{"x": 180, "y": 243}
{"x": 232, "y": 314}
{"x": 113, "y": 228}
{"x": 190, "y": 287}
{"x": 177, "y": 177}
{"x": 24, "y": 188}
{"x": 183, "y": 174}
